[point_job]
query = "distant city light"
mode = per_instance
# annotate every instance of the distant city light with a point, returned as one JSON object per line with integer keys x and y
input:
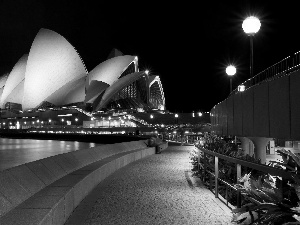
{"x": 176, "y": 115}
{"x": 199, "y": 113}
{"x": 151, "y": 116}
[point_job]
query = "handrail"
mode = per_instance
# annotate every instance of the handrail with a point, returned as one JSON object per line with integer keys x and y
{"x": 271, "y": 170}
{"x": 281, "y": 68}
{"x": 239, "y": 162}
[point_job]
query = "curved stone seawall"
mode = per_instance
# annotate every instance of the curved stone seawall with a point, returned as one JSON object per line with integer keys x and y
{"x": 46, "y": 191}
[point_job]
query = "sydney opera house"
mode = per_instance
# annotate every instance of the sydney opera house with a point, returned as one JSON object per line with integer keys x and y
{"x": 51, "y": 87}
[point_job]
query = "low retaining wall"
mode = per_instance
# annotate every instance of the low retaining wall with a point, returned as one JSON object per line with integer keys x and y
{"x": 46, "y": 191}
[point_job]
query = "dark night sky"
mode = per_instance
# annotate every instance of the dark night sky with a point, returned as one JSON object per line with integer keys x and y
{"x": 188, "y": 45}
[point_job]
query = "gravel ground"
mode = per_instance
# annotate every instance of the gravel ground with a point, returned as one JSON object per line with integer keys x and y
{"x": 154, "y": 190}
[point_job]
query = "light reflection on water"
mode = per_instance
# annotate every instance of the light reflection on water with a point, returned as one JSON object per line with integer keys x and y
{"x": 14, "y": 152}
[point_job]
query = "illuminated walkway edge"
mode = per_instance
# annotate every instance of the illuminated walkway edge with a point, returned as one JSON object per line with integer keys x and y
{"x": 158, "y": 189}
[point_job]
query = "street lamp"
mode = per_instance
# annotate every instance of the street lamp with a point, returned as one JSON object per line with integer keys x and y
{"x": 251, "y": 26}
{"x": 176, "y": 116}
{"x": 230, "y": 70}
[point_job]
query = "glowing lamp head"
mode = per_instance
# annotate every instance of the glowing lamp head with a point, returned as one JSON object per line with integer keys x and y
{"x": 147, "y": 72}
{"x": 251, "y": 25}
{"x": 176, "y": 115}
{"x": 151, "y": 116}
{"x": 241, "y": 88}
{"x": 230, "y": 70}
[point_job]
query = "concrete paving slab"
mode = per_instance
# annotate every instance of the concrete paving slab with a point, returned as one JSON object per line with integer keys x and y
{"x": 83, "y": 156}
{"x": 41, "y": 202}
{"x": 53, "y": 191}
{"x": 68, "y": 180}
{"x": 12, "y": 190}
{"x": 41, "y": 171}
{"x": 5, "y": 205}
{"x": 26, "y": 178}
{"x": 64, "y": 163}
{"x": 55, "y": 168}
{"x": 27, "y": 216}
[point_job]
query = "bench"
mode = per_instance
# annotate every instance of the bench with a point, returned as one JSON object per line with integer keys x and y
{"x": 46, "y": 191}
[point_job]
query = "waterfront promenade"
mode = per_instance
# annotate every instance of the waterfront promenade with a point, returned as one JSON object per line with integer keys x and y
{"x": 158, "y": 189}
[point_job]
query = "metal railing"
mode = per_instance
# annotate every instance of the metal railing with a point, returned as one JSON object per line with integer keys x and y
{"x": 239, "y": 163}
{"x": 279, "y": 69}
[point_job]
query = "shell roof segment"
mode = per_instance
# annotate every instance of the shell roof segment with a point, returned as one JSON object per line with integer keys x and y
{"x": 71, "y": 92}
{"x": 15, "y": 77}
{"x": 117, "y": 86}
{"x": 52, "y": 63}
{"x": 3, "y": 80}
{"x": 110, "y": 70}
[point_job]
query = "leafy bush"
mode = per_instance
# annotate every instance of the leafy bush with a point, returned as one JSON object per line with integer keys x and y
{"x": 273, "y": 200}
{"x": 266, "y": 199}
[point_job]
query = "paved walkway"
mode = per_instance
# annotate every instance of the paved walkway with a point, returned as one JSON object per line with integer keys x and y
{"x": 156, "y": 190}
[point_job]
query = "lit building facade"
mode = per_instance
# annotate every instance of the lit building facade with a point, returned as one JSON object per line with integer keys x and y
{"x": 51, "y": 87}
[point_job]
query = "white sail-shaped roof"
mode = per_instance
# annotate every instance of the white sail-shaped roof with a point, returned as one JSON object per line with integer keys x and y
{"x": 52, "y": 63}
{"x": 16, "y": 95}
{"x": 1, "y": 91}
{"x": 71, "y": 92}
{"x": 15, "y": 77}
{"x": 2, "y": 83}
{"x": 155, "y": 80}
{"x": 110, "y": 70}
{"x": 3, "y": 80}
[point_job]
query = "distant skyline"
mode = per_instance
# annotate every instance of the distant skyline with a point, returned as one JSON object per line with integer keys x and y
{"x": 187, "y": 45}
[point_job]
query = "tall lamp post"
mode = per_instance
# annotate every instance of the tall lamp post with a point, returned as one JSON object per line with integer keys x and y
{"x": 230, "y": 70}
{"x": 251, "y": 26}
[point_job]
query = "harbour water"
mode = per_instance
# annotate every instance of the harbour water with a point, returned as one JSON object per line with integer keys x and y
{"x": 14, "y": 152}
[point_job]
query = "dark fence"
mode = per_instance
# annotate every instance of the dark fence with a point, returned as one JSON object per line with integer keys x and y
{"x": 279, "y": 69}
{"x": 214, "y": 179}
